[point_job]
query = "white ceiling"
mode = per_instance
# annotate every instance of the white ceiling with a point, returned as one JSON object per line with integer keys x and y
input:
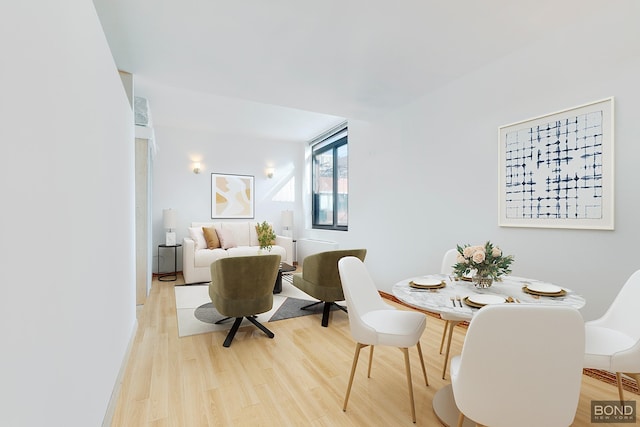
{"x": 289, "y": 69}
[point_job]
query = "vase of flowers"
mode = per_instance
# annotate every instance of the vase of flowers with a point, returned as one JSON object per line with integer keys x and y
{"x": 485, "y": 262}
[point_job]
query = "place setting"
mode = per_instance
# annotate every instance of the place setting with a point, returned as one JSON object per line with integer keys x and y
{"x": 427, "y": 283}
{"x": 543, "y": 289}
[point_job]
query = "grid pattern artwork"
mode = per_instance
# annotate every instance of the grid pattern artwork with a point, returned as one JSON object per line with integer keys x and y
{"x": 554, "y": 170}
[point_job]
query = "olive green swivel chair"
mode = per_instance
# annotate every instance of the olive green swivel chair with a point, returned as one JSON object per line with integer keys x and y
{"x": 321, "y": 280}
{"x": 242, "y": 287}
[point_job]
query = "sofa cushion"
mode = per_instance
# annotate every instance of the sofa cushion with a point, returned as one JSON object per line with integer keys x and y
{"x": 253, "y": 234}
{"x": 226, "y": 237}
{"x": 204, "y": 257}
{"x": 197, "y": 236}
{"x": 240, "y": 232}
{"x": 211, "y": 237}
{"x": 255, "y": 250}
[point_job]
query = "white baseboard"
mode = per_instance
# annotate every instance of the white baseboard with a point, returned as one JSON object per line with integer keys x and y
{"x": 115, "y": 393}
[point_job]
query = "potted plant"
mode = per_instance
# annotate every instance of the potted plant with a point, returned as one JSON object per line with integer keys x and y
{"x": 266, "y": 236}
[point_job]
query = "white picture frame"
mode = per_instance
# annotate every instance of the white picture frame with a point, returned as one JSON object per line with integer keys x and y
{"x": 557, "y": 170}
{"x": 232, "y": 196}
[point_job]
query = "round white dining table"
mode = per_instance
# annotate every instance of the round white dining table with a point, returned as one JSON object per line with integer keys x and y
{"x": 454, "y": 302}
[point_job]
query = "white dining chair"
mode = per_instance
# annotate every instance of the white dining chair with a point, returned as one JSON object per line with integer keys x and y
{"x": 374, "y": 322}
{"x": 613, "y": 340}
{"x": 521, "y": 365}
{"x": 450, "y": 320}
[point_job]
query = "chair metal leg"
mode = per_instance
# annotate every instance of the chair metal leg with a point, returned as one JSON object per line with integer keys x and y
{"x": 261, "y": 326}
{"x": 424, "y": 370}
{"x": 370, "y": 361}
{"x": 408, "y": 369}
{"x": 444, "y": 334}
{"x": 353, "y": 371}
{"x": 232, "y": 332}
{"x": 222, "y": 320}
{"x": 311, "y": 305}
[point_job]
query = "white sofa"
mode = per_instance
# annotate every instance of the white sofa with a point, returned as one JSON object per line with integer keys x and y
{"x": 197, "y": 259}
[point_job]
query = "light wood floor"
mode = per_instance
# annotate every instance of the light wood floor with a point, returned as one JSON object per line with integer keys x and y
{"x": 298, "y": 378}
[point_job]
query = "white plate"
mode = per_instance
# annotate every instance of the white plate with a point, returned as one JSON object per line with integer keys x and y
{"x": 485, "y": 299}
{"x": 547, "y": 288}
{"x": 427, "y": 281}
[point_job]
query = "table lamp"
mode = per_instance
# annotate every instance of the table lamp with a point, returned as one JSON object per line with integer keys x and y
{"x": 170, "y": 219}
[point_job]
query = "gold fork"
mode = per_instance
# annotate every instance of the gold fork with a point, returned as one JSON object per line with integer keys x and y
{"x": 459, "y": 300}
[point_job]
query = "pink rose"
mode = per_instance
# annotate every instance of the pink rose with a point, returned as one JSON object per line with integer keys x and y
{"x": 468, "y": 251}
{"x": 496, "y": 252}
{"x": 478, "y": 257}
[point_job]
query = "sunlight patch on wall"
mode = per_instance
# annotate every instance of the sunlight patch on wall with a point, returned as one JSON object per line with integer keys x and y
{"x": 287, "y": 192}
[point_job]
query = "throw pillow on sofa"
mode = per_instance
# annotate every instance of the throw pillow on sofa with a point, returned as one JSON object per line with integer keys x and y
{"x": 211, "y": 237}
{"x": 226, "y": 238}
{"x": 197, "y": 236}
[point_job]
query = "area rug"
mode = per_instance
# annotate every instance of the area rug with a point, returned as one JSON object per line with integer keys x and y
{"x": 197, "y": 315}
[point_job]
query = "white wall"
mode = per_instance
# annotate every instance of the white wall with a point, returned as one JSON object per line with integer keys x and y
{"x": 176, "y": 186}
{"x": 66, "y": 177}
{"x": 425, "y": 178}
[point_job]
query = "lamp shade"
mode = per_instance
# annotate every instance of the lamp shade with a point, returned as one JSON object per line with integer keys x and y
{"x": 287, "y": 219}
{"x": 169, "y": 218}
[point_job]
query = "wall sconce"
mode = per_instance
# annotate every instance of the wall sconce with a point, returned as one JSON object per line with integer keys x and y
{"x": 196, "y": 168}
{"x": 270, "y": 172}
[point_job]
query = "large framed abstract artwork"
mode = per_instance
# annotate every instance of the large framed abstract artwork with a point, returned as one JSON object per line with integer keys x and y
{"x": 556, "y": 171}
{"x": 232, "y": 196}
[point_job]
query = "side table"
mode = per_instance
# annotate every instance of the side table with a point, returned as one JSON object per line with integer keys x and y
{"x": 169, "y": 277}
{"x": 284, "y": 268}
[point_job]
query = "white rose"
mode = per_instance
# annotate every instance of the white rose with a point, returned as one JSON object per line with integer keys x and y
{"x": 496, "y": 252}
{"x": 478, "y": 257}
{"x": 468, "y": 251}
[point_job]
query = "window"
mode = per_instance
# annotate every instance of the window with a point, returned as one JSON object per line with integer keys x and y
{"x": 330, "y": 168}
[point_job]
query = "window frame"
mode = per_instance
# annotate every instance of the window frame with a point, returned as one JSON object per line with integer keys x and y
{"x": 320, "y": 148}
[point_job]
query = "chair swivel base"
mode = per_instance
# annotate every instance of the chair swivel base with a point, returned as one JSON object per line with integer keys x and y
{"x": 325, "y": 311}
{"x": 236, "y": 326}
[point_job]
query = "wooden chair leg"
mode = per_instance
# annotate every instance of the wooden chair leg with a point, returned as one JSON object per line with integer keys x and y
{"x": 353, "y": 371}
{"x": 408, "y": 369}
{"x": 620, "y": 389}
{"x": 370, "y": 361}
{"x": 460, "y": 419}
{"x": 444, "y": 334}
{"x": 424, "y": 370}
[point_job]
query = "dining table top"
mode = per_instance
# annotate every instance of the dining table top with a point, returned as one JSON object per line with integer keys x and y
{"x": 459, "y": 299}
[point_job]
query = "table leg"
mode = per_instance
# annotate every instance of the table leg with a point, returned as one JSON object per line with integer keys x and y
{"x": 452, "y": 324}
{"x": 277, "y": 288}
{"x": 444, "y": 406}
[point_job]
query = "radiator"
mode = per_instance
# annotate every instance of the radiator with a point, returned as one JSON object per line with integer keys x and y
{"x": 306, "y": 247}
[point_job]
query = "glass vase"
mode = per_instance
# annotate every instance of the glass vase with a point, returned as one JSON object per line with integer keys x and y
{"x": 481, "y": 281}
